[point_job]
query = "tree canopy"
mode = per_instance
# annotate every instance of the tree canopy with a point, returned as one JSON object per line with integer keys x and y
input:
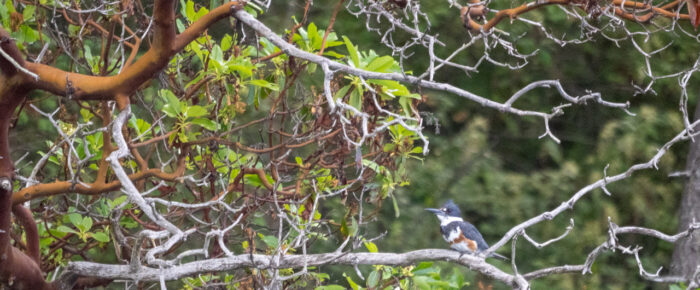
{"x": 294, "y": 144}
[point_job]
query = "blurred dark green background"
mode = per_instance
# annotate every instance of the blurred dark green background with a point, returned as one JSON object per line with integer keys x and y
{"x": 500, "y": 173}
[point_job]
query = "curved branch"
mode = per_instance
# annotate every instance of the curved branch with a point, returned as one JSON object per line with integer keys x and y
{"x": 165, "y": 45}
{"x": 514, "y": 12}
{"x": 26, "y": 219}
{"x": 62, "y": 187}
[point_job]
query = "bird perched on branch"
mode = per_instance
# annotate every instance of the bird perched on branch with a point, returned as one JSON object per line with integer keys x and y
{"x": 462, "y": 236}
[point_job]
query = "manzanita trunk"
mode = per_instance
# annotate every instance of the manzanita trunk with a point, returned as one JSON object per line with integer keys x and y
{"x": 686, "y": 255}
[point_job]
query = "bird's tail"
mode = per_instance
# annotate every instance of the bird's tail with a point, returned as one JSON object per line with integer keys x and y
{"x": 499, "y": 256}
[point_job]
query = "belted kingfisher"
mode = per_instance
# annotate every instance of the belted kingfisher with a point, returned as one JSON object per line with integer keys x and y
{"x": 462, "y": 235}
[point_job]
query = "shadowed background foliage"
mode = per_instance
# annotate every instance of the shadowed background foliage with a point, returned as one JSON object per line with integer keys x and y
{"x": 500, "y": 173}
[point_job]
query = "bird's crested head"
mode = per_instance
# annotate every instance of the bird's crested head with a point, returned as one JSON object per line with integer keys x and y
{"x": 449, "y": 209}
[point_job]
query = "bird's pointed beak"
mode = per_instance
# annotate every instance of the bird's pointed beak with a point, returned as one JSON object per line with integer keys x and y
{"x": 434, "y": 210}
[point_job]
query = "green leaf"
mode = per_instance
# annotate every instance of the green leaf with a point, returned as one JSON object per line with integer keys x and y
{"x": 10, "y": 6}
{"x": 245, "y": 70}
{"x": 423, "y": 265}
{"x": 142, "y": 127}
{"x": 217, "y": 54}
{"x": 422, "y": 282}
{"x": 270, "y": 241}
{"x": 75, "y": 219}
{"x": 254, "y": 180}
{"x": 353, "y": 228}
{"x": 205, "y": 123}
{"x": 86, "y": 115}
{"x": 342, "y": 92}
{"x": 29, "y": 34}
{"x": 314, "y": 39}
{"x": 201, "y": 12}
{"x": 226, "y": 42}
{"x": 189, "y": 11}
{"x": 172, "y": 106}
{"x": 388, "y": 147}
{"x": 264, "y": 84}
{"x": 248, "y": 8}
{"x": 355, "y": 99}
{"x": 405, "y": 105}
{"x": 195, "y": 47}
{"x": 117, "y": 202}
{"x": 381, "y": 64}
{"x": 393, "y": 88}
{"x": 168, "y": 110}
{"x": 128, "y": 223}
{"x": 85, "y": 225}
{"x": 333, "y": 54}
{"x": 28, "y": 12}
{"x": 396, "y": 206}
{"x": 457, "y": 279}
{"x": 101, "y": 237}
{"x": 88, "y": 56}
{"x": 426, "y": 271}
{"x": 5, "y": 16}
{"x": 180, "y": 25}
{"x": 65, "y": 229}
{"x": 330, "y": 287}
{"x": 352, "y": 52}
{"x": 352, "y": 283}
{"x": 373, "y": 279}
{"x": 196, "y": 111}
{"x": 171, "y": 139}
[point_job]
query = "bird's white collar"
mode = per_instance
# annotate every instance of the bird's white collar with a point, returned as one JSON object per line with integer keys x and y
{"x": 446, "y": 220}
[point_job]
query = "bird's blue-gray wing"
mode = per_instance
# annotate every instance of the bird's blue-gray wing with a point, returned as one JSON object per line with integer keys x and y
{"x": 472, "y": 233}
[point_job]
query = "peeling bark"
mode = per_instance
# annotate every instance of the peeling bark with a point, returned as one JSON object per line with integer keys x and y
{"x": 17, "y": 269}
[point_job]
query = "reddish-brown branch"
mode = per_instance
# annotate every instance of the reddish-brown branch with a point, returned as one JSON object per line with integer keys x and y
{"x": 153, "y": 140}
{"x": 106, "y": 116}
{"x": 330, "y": 26}
{"x": 517, "y": 11}
{"x": 663, "y": 11}
{"x": 147, "y": 225}
{"x": 62, "y": 187}
{"x": 204, "y": 22}
{"x": 165, "y": 44}
{"x": 267, "y": 57}
{"x": 198, "y": 85}
{"x": 7, "y": 108}
{"x": 514, "y": 12}
{"x": 95, "y": 25}
{"x": 26, "y": 220}
{"x": 14, "y": 265}
{"x": 263, "y": 179}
